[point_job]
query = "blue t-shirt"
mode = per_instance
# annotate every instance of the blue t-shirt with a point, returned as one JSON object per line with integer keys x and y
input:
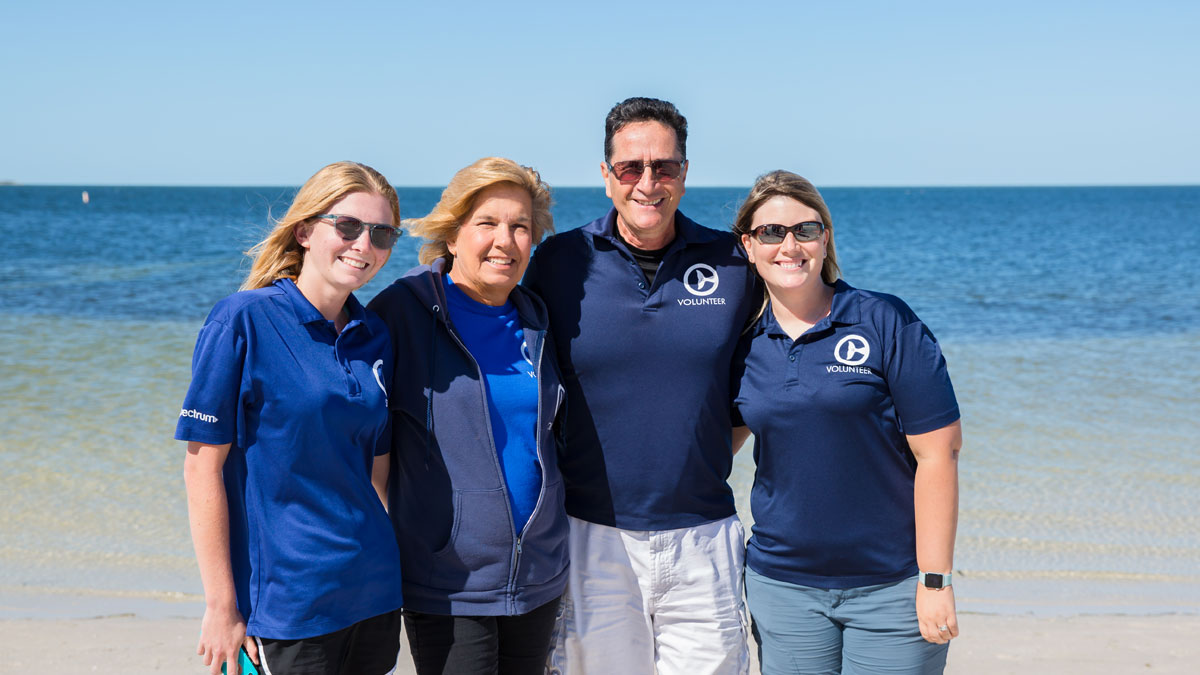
{"x": 833, "y": 490}
{"x": 495, "y": 338}
{"x": 647, "y": 371}
{"x": 303, "y": 408}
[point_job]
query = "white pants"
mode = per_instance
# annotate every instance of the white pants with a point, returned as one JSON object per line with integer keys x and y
{"x": 658, "y": 601}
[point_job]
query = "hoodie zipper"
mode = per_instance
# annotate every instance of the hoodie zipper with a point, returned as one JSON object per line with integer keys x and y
{"x": 487, "y": 418}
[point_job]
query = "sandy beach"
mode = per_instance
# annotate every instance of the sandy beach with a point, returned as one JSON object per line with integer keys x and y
{"x": 989, "y": 645}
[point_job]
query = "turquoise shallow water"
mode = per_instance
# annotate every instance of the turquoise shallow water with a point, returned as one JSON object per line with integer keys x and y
{"x": 1071, "y": 327}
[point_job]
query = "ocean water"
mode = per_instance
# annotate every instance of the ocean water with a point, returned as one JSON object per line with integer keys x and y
{"x": 1070, "y": 318}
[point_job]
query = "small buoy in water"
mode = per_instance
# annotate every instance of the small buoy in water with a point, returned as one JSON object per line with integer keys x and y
{"x": 86, "y": 198}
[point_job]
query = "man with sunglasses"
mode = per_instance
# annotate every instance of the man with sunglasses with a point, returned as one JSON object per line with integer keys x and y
{"x": 646, "y": 306}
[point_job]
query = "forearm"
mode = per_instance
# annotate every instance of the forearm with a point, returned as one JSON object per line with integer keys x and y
{"x": 208, "y": 515}
{"x": 935, "y": 502}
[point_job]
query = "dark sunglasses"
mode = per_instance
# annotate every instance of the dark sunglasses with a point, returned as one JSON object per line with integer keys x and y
{"x": 775, "y": 234}
{"x": 631, "y": 172}
{"x": 351, "y": 228}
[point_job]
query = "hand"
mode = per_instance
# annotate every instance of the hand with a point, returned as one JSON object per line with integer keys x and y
{"x": 935, "y": 611}
{"x": 222, "y": 632}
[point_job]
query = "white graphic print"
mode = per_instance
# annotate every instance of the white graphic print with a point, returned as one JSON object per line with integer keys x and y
{"x": 377, "y": 369}
{"x": 852, "y": 350}
{"x": 528, "y": 359}
{"x": 701, "y": 279}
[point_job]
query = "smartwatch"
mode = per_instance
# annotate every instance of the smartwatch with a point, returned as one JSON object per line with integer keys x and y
{"x": 934, "y": 581}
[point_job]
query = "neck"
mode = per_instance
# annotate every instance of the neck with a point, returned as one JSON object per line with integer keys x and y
{"x": 799, "y": 309}
{"x": 647, "y": 240}
{"x": 489, "y": 297}
{"x": 328, "y": 301}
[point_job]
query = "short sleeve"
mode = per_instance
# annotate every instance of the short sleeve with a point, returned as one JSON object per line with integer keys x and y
{"x": 919, "y": 381}
{"x": 210, "y": 408}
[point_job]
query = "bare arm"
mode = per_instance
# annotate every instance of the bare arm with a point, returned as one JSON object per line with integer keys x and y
{"x": 379, "y": 476}
{"x": 740, "y": 435}
{"x": 223, "y": 629}
{"x": 935, "y": 500}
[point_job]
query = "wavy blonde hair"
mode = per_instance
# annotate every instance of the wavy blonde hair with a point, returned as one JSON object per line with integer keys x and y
{"x": 782, "y": 183}
{"x": 440, "y": 227}
{"x": 279, "y": 255}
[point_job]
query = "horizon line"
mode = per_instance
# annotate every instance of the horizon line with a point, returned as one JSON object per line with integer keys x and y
{"x": 913, "y": 186}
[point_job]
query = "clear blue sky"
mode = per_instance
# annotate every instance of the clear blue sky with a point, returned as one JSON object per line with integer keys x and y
{"x": 847, "y": 93}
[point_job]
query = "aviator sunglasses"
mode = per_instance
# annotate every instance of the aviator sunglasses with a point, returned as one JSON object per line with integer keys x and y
{"x": 631, "y": 172}
{"x": 775, "y": 234}
{"x": 351, "y": 228}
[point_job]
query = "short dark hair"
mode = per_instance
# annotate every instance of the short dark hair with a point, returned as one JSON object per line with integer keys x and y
{"x": 642, "y": 109}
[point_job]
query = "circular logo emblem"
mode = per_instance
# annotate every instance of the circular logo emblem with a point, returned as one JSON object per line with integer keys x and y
{"x": 852, "y": 350}
{"x": 701, "y": 279}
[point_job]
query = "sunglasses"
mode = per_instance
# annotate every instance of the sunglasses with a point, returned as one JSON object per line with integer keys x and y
{"x": 775, "y": 234}
{"x": 351, "y": 228}
{"x": 631, "y": 172}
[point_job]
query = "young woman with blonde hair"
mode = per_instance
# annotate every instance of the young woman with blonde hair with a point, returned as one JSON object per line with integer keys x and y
{"x": 283, "y": 418}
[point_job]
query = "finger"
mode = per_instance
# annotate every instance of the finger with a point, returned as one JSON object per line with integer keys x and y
{"x": 952, "y": 623}
{"x": 251, "y": 647}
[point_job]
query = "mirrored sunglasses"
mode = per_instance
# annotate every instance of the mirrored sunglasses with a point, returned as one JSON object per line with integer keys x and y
{"x": 775, "y": 234}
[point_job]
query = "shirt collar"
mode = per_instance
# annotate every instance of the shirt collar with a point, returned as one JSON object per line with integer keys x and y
{"x": 306, "y": 313}
{"x": 687, "y": 230}
{"x": 843, "y": 310}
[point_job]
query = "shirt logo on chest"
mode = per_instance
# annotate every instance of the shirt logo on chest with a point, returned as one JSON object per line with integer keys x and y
{"x": 377, "y": 370}
{"x": 701, "y": 280}
{"x": 528, "y": 358}
{"x": 852, "y": 350}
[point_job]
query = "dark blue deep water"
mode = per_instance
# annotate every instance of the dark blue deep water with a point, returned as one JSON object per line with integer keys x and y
{"x": 973, "y": 262}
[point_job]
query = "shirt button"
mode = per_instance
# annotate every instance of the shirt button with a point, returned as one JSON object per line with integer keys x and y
{"x": 792, "y": 357}
{"x": 641, "y": 284}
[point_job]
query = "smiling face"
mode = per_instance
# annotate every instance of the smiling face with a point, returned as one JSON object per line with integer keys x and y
{"x": 332, "y": 266}
{"x": 491, "y": 247}
{"x": 789, "y": 266}
{"x": 645, "y": 209}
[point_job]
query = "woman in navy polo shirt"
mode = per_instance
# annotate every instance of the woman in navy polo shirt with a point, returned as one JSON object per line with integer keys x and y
{"x": 477, "y": 502}
{"x": 287, "y": 406}
{"x": 856, "y": 429}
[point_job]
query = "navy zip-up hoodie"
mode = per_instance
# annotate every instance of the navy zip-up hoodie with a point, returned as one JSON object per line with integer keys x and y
{"x": 460, "y": 553}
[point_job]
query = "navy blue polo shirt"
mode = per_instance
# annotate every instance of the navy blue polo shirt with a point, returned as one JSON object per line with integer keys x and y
{"x": 833, "y": 491}
{"x": 647, "y": 371}
{"x": 304, "y": 409}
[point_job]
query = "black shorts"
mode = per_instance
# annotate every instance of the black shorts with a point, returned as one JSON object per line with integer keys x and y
{"x": 369, "y": 647}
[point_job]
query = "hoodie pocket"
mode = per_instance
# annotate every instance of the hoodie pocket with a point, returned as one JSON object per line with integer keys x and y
{"x": 479, "y": 553}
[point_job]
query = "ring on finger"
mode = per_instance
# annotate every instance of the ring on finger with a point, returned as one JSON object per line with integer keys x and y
{"x": 943, "y": 628}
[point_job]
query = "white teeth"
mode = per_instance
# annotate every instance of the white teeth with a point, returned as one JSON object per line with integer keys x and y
{"x": 356, "y": 264}
{"x": 656, "y": 202}
{"x": 501, "y": 261}
{"x": 791, "y": 265}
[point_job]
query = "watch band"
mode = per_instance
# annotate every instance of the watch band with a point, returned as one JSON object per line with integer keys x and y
{"x": 934, "y": 581}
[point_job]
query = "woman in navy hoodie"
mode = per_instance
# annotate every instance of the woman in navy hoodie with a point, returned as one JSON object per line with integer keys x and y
{"x": 476, "y": 498}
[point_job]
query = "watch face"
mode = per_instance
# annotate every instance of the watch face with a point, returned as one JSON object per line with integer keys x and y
{"x": 933, "y": 580}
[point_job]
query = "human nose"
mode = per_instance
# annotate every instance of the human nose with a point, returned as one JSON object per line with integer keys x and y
{"x": 790, "y": 242}
{"x": 504, "y": 236}
{"x": 648, "y": 177}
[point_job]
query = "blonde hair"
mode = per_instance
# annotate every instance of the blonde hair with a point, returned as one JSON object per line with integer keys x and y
{"x": 782, "y": 183}
{"x": 279, "y": 255}
{"x": 440, "y": 227}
